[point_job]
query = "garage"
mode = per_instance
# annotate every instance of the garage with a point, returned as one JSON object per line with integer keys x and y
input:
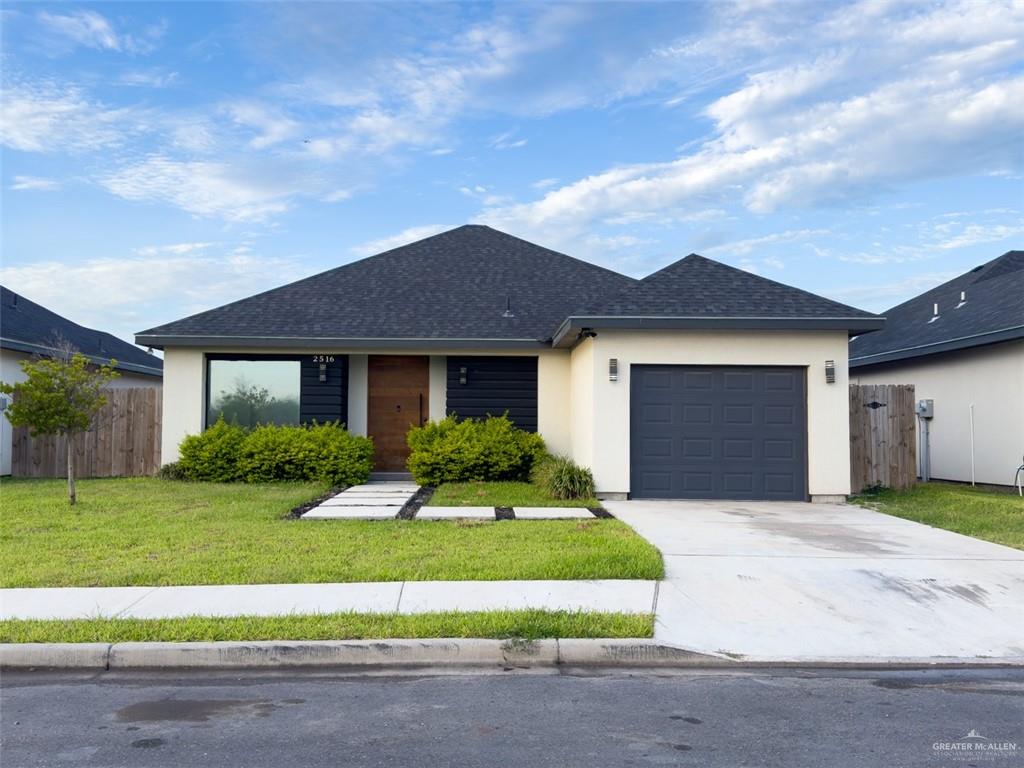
{"x": 718, "y": 432}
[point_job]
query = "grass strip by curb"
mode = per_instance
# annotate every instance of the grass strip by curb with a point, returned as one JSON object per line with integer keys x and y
{"x": 527, "y": 624}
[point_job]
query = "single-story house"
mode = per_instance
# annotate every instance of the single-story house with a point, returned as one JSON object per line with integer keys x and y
{"x": 699, "y": 381}
{"x": 962, "y": 346}
{"x": 28, "y": 329}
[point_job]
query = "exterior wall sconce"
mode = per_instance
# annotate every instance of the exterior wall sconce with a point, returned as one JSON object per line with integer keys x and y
{"x": 323, "y": 372}
{"x": 613, "y": 369}
{"x": 830, "y": 371}
{"x": 463, "y": 376}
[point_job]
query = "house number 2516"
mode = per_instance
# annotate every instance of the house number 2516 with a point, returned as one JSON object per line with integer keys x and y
{"x": 323, "y": 358}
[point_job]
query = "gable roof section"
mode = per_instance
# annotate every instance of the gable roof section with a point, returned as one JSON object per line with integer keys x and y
{"x": 475, "y": 286}
{"x": 29, "y": 327}
{"x": 993, "y": 311}
{"x": 696, "y": 292}
{"x": 469, "y": 284}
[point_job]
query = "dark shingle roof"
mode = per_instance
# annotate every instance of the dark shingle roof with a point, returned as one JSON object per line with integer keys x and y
{"x": 455, "y": 285}
{"x": 28, "y": 327}
{"x": 993, "y": 311}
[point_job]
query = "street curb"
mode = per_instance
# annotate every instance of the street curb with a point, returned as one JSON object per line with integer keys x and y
{"x": 448, "y": 652}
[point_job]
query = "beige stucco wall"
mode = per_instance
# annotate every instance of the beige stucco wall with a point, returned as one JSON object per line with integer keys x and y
{"x": 992, "y": 378}
{"x": 606, "y": 408}
{"x": 184, "y": 389}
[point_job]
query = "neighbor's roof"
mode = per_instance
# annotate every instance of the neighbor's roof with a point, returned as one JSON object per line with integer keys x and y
{"x": 28, "y": 327}
{"x": 474, "y": 285}
{"x": 992, "y": 310}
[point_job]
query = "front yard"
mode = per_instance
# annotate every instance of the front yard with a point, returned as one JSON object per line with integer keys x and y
{"x": 152, "y": 532}
{"x": 996, "y": 516}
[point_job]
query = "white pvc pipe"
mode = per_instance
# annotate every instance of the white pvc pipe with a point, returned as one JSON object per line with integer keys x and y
{"x": 972, "y": 443}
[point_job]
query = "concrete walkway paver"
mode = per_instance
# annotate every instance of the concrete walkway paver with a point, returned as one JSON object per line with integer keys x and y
{"x": 379, "y": 500}
{"x": 777, "y": 580}
{"x": 455, "y": 513}
{"x": 282, "y": 599}
{"x": 552, "y": 513}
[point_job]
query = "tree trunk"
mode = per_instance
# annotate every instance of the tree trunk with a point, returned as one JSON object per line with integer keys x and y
{"x": 71, "y": 469}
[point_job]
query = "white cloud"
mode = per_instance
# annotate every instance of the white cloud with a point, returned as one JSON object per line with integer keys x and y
{"x": 871, "y": 98}
{"x": 338, "y": 195}
{"x": 124, "y": 295}
{"x": 412, "y": 234}
{"x": 86, "y": 28}
{"x": 35, "y": 183}
{"x": 176, "y": 249}
{"x": 545, "y": 183}
{"x": 979, "y": 234}
{"x": 485, "y": 195}
{"x": 205, "y": 188}
{"x": 879, "y": 297}
{"x": 48, "y": 118}
{"x": 92, "y": 30}
{"x": 270, "y": 125}
{"x": 507, "y": 140}
{"x": 153, "y": 78}
{"x": 751, "y": 245}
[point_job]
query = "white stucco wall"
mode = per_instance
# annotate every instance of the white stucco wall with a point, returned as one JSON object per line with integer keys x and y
{"x": 554, "y": 417}
{"x": 992, "y": 378}
{"x": 581, "y": 403}
{"x": 607, "y": 407}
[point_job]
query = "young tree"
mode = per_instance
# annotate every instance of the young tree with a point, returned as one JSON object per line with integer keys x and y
{"x": 60, "y": 397}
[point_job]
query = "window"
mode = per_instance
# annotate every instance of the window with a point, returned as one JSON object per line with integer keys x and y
{"x": 253, "y": 391}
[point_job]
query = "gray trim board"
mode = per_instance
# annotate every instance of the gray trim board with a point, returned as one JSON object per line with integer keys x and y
{"x": 39, "y": 349}
{"x": 328, "y": 344}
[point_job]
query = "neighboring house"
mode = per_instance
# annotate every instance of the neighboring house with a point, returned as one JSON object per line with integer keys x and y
{"x": 699, "y": 381}
{"x": 27, "y": 330}
{"x": 961, "y": 345}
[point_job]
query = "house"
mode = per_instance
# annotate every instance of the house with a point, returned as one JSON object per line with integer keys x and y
{"x": 962, "y": 346}
{"x": 28, "y": 329}
{"x": 699, "y": 381}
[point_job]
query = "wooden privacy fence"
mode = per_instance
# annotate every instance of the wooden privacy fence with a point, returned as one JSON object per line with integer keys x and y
{"x": 124, "y": 441}
{"x": 883, "y": 446}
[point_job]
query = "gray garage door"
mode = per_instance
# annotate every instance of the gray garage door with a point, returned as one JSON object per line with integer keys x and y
{"x": 723, "y": 432}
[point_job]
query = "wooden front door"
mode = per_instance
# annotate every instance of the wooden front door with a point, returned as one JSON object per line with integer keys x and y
{"x": 399, "y": 394}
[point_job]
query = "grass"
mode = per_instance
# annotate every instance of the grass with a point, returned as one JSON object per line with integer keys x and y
{"x": 996, "y": 516}
{"x": 147, "y": 531}
{"x": 501, "y": 494}
{"x": 336, "y": 626}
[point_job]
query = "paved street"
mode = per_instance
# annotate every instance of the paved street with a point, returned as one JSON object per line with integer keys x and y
{"x": 503, "y": 719}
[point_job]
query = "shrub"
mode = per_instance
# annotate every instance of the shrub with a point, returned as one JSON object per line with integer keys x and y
{"x": 449, "y": 451}
{"x": 213, "y": 454}
{"x": 321, "y": 452}
{"x": 172, "y": 471}
{"x": 562, "y": 478}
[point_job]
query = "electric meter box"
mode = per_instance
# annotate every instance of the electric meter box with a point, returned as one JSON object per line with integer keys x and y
{"x": 926, "y": 409}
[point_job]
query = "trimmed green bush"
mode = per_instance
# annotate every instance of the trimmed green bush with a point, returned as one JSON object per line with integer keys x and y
{"x": 320, "y": 452}
{"x": 213, "y": 454}
{"x": 450, "y": 450}
{"x": 562, "y": 478}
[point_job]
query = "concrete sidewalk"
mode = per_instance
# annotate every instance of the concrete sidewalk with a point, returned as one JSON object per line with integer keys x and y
{"x": 405, "y": 597}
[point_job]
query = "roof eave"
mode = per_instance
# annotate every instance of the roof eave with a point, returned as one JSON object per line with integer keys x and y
{"x": 923, "y": 350}
{"x": 568, "y": 332}
{"x": 41, "y": 349}
{"x": 158, "y": 341}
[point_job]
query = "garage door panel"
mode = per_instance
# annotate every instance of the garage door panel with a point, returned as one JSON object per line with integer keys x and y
{"x": 718, "y": 432}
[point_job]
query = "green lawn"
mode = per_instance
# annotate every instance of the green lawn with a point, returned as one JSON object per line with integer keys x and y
{"x": 147, "y": 531}
{"x": 503, "y": 494}
{"x": 990, "y": 515}
{"x": 336, "y": 626}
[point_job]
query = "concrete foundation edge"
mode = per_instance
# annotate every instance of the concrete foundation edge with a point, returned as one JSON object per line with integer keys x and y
{"x": 369, "y": 654}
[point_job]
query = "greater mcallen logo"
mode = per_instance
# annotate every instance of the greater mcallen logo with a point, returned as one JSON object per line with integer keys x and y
{"x": 974, "y": 745}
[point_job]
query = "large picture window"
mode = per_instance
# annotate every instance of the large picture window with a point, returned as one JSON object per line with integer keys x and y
{"x": 251, "y": 392}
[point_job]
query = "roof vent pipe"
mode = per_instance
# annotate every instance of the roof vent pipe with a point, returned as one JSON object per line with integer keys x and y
{"x": 508, "y": 308}
{"x": 963, "y": 299}
{"x": 935, "y": 312}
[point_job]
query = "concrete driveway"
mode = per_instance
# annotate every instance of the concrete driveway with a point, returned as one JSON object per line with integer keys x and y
{"x": 778, "y": 580}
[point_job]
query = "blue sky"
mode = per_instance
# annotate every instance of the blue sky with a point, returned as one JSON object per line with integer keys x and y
{"x": 160, "y": 159}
